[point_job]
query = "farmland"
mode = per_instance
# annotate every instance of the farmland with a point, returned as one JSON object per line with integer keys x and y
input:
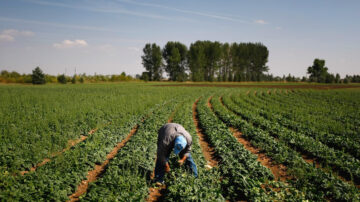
{"x": 97, "y": 142}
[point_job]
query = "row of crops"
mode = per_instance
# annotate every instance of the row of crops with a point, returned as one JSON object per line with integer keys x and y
{"x": 313, "y": 134}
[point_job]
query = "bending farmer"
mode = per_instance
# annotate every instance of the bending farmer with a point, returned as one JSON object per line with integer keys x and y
{"x": 173, "y": 136}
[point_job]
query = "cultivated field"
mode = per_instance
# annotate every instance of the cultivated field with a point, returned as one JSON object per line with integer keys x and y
{"x": 97, "y": 142}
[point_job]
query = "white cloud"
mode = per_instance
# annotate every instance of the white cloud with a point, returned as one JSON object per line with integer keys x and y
{"x": 71, "y": 44}
{"x": 5, "y": 37}
{"x": 14, "y": 32}
{"x": 221, "y": 17}
{"x": 10, "y": 34}
{"x": 134, "y": 49}
{"x": 262, "y": 22}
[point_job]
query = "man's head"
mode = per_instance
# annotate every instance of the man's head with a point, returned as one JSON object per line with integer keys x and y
{"x": 180, "y": 144}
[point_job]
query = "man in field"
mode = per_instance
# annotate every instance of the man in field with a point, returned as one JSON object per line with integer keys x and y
{"x": 173, "y": 136}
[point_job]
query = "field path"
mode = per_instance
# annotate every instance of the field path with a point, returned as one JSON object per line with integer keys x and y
{"x": 157, "y": 193}
{"x": 99, "y": 169}
{"x": 70, "y": 144}
{"x": 206, "y": 148}
{"x": 278, "y": 170}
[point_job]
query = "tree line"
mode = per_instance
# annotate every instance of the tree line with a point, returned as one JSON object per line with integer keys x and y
{"x": 205, "y": 61}
{"x": 39, "y": 77}
{"x": 215, "y": 61}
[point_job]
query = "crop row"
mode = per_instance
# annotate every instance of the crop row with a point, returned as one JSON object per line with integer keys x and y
{"x": 315, "y": 183}
{"x": 38, "y": 121}
{"x": 343, "y": 162}
{"x": 341, "y": 143}
{"x": 335, "y": 117}
{"x": 127, "y": 177}
{"x": 59, "y": 178}
{"x": 242, "y": 174}
{"x": 180, "y": 183}
{"x": 333, "y": 112}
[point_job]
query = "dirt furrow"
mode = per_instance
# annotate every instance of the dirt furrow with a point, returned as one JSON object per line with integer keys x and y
{"x": 99, "y": 169}
{"x": 207, "y": 149}
{"x": 312, "y": 161}
{"x": 157, "y": 193}
{"x": 70, "y": 144}
{"x": 278, "y": 170}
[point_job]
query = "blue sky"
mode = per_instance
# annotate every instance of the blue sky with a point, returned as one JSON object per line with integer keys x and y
{"x": 107, "y": 36}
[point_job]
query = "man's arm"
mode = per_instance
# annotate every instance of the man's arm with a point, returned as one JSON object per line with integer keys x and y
{"x": 185, "y": 154}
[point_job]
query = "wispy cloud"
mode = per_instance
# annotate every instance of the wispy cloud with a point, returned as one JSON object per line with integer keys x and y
{"x": 81, "y": 27}
{"x": 4, "y": 37}
{"x": 10, "y": 34}
{"x": 101, "y": 10}
{"x": 136, "y": 49}
{"x": 261, "y": 22}
{"x": 215, "y": 16}
{"x": 78, "y": 43}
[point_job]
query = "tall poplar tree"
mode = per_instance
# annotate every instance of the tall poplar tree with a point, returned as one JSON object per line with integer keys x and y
{"x": 152, "y": 61}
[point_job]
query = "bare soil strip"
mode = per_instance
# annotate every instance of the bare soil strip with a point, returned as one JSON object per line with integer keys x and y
{"x": 99, "y": 169}
{"x": 156, "y": 193}
{"x": 207, "y": 149}
{"x": 278, "y": 170}
{"x": 306, "y": 158}
{"x": 322, "y": 87}
{"x": 70, "y": 144}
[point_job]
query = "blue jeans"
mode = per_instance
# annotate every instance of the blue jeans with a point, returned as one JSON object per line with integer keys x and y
{"x": 160, "y": 169}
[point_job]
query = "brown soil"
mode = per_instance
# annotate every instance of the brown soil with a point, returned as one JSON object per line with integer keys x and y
{"x": 313, "y": 161}
{"x": 312, "y": 86}
{"x": 99, "y": 169}
{"x": 278, "y": 170}
{"x": 70, "y": 144}
{"x": 156, "y": 193}
{"x": 206, "y": 148}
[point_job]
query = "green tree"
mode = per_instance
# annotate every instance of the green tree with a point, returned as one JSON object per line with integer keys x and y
{"x": 212, "y": 57}
{"x": 73, "y": 80}
{"x": 175, "y": 56}
{"x": 226, "y": 61}
{"x": 144, "y": 76}
{"x": 337, "y": 78}
{"x": 62, "y": 79}
{"x": 318, "y": 72}
{"x": 197, "y": 61}
{"x": 38, "y": 77}
{"x": 152, "y": 61}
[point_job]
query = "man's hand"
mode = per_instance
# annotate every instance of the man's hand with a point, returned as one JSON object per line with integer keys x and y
{"x": 181, "y": 161}
{"x": 167, "y": 167}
